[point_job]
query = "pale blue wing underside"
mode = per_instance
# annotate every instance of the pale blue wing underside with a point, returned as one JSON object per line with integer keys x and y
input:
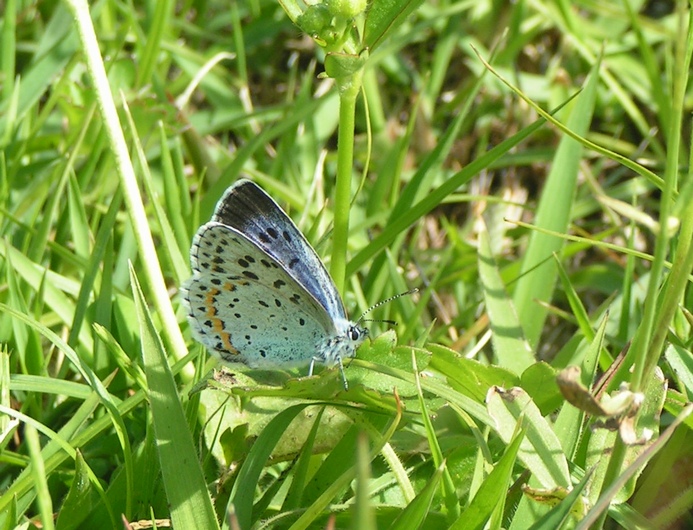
{"x": 244, "y": 306}
{"x": 249, "y": 210}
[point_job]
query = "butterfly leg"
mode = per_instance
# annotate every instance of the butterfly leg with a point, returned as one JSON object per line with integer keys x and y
{"x": 341, "y": 371}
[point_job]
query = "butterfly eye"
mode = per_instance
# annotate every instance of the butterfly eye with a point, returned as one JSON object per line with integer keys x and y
{"x": 354, "y": 333}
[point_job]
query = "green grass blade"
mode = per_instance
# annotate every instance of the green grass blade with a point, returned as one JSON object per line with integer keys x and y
{"x": 24, "y": 488}
{"x": 45, "y": 502}
{"x": 541, "y": 450}
{"x": 436, "y": 197}
{"x": 86, "y": 372}
{"x": 241, "y": 499}
{"x": 450, "y": 499}
{"x": 80, "y": 499}
{"x": 538, "y": 277}
{"x": 186, "y": 490}
{"x": 363, "y": 514}
{"x": 572, "y": 505}
{"x": 126, "y": 174}
{"x": 321, "y": 503}
{"x": 490, "y": 496}
{"x": 511, "y": 349}
{"x": 414, "y": 514}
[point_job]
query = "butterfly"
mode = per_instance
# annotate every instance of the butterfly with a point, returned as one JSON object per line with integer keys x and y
{"x": 259, "y": 293}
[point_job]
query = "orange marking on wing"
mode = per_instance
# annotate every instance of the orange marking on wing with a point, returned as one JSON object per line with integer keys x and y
{"x": 217, "y": 323}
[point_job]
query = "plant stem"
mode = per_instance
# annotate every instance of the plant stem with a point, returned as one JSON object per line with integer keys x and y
{"x": 348, "y": 91}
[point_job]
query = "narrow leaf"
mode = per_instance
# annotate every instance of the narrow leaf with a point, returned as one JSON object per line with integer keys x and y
{"x": 186, "y": 490}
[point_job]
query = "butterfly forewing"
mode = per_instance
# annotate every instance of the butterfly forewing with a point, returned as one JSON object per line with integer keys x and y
{"x": 248, "y": 209}
{"x": 244, "y": 306}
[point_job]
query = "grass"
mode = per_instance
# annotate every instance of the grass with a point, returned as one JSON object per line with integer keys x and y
{"x": 526, "y": 165}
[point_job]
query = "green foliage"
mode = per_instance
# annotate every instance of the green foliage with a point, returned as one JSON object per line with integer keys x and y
{"x": 525, "y": 165}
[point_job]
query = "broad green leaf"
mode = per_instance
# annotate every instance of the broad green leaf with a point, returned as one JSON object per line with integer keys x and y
{"x": 469, "y": 376}
{"x": 539, "y": 381}
{"x": 541, "y": 451}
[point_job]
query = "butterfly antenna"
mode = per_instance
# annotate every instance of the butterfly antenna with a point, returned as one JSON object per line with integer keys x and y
{"x": 386, "y": 301}
{"x": 391, "y": 322}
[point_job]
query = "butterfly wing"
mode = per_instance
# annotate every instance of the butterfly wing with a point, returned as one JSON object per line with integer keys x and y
{"x": 249, "y": 210}
{"x": 244, "y": 306}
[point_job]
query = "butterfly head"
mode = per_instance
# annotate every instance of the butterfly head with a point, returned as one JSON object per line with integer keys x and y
{"x": 344, "y": 343}
{"x": 355, "y": 335}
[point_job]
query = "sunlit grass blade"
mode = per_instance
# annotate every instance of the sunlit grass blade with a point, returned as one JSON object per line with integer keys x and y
{"x": 363, "y": 513}
{"x": 416, "y": 511}
{"x": 23, "y": 491}
{"x": 186, "y": 490}
{"x": 436, "y": 197}
{"x": 452, "y": 505}
{"x": 511, "y": 349}
{"x": 242, "y": 497}
{"x": 302, "y": 467}
{"x": 93, "y": 381}
{"x": 44, "y": 500}
{"x": 541, "y": 451}
{"x": 96, "y": 256}
{"x": 57, "y": 45}
{"x": 321, "y": 503}
{"x": 553, "y": 213}
{"x": 51, "y": 284}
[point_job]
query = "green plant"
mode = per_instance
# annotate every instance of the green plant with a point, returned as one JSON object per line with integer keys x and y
{"x": 522, "y": 162}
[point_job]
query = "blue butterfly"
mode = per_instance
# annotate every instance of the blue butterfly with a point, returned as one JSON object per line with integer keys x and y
{"x": 259, "y": 294}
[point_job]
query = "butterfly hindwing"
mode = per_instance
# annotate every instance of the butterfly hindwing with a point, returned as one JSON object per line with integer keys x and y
{"x": 243, "y": 305}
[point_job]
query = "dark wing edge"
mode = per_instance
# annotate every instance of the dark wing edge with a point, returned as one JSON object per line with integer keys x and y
{"x": 246, "y": 207}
